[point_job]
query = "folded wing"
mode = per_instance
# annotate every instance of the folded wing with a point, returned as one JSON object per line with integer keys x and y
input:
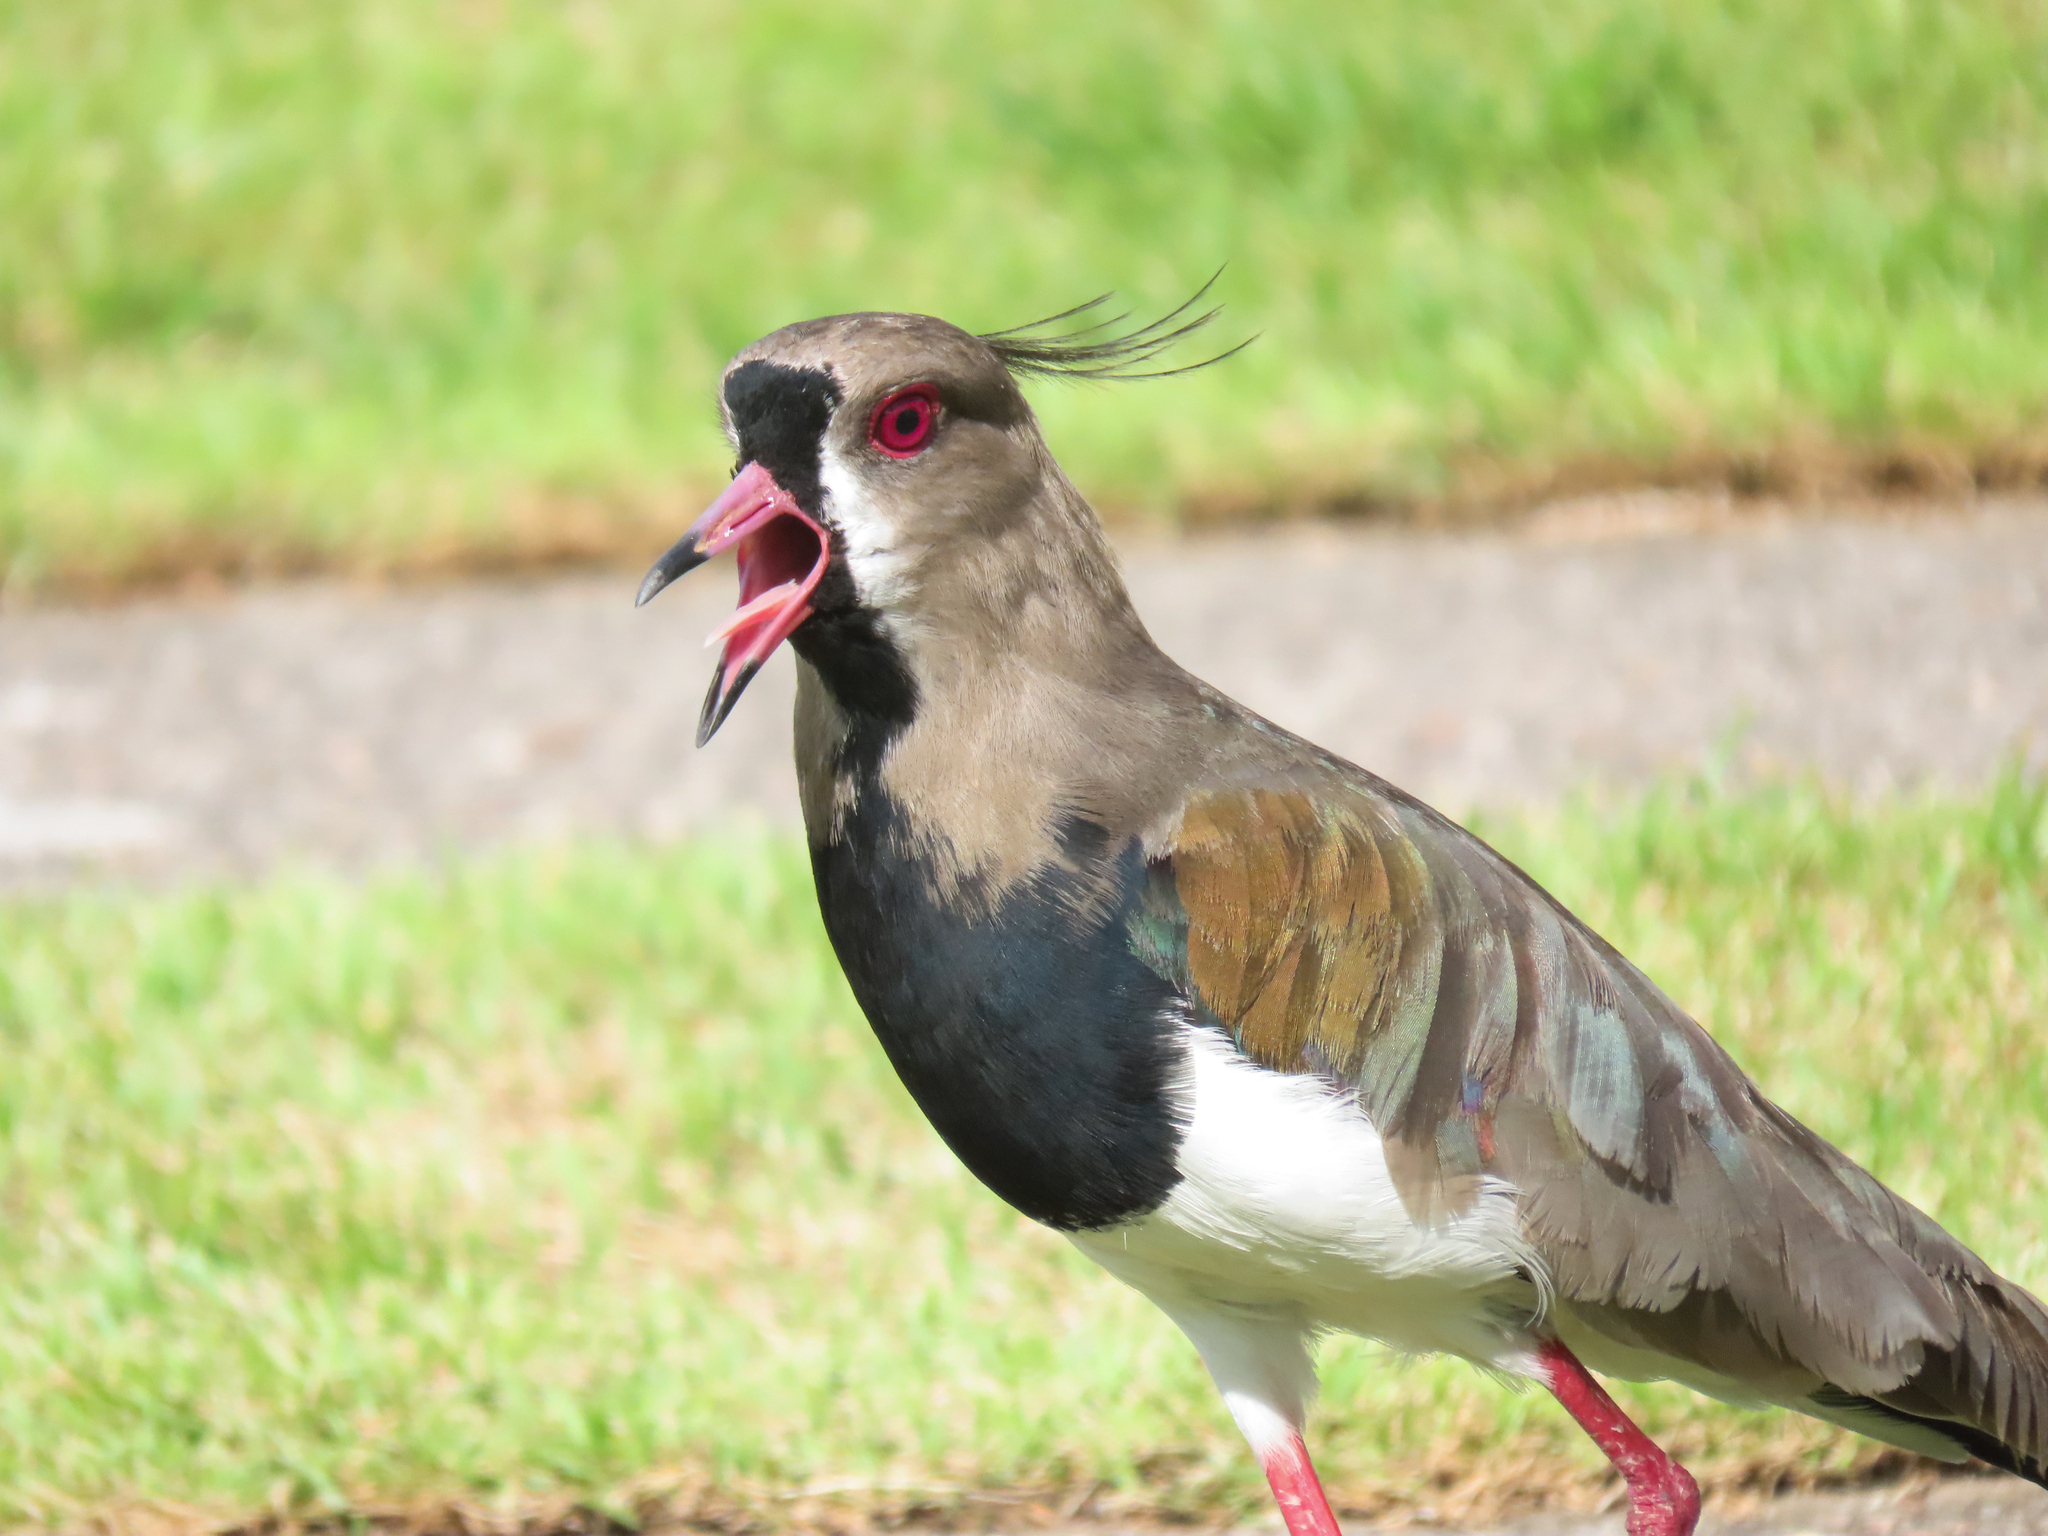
{"x": 1333, "y": 925}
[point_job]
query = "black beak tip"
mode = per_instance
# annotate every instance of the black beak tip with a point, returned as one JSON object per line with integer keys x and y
{"x": 719, "y": 701}
{"x": 651, "y": 585}
{"x": 683, "y": 557}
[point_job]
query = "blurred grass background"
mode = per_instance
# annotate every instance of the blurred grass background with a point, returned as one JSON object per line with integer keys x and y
{"x": 445, "y": 282}
{"x": 574, "y": 1179}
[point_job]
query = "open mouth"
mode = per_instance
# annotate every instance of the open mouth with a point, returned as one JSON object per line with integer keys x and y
{"x": 782, "y": 555}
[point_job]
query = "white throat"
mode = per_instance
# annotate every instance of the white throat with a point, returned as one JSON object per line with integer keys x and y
{"x": 876, "y": 557}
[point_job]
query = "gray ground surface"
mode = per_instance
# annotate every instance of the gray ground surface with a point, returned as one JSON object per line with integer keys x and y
{"x": 1615, "y": 641}
{"x": 1954, "y": 1506}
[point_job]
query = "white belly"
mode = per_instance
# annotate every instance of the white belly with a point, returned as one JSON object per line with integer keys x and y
{"x": 1286, "y": 1215}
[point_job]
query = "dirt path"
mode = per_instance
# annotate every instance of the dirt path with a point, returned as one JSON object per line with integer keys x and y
{"x": 171, "y": 738}
{"x": 1949, "y": 1506}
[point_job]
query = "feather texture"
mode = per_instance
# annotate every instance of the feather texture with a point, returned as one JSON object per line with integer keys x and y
{"x": 1076, "y": 344}
{"x": 1334, "y": 926}
{"x": 1245, "y": 1018}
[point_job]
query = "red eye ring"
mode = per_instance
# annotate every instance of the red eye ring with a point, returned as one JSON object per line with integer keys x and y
{"x": 903, "y": 424}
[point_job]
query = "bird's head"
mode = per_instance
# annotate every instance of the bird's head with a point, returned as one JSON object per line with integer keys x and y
{"x": 871, "y": 449}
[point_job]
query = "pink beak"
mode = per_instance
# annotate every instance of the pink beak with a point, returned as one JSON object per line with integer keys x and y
{"x": 782, "y": 555}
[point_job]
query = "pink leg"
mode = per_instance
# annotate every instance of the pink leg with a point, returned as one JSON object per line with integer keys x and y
{"x": 1298, "y": 1491}
{"x": 1663, "y": 1500}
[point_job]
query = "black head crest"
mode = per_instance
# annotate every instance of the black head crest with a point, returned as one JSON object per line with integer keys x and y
{"x": 1061, "y": 346}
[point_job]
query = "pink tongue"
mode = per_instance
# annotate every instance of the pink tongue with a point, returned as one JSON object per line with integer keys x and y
{"x": 754, "y": 639}
{"x": 745, "y": 615}
{"x": 764, "y": 618}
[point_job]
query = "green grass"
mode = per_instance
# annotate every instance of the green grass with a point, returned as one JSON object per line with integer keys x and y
{"x": 573, "y": 1178}
{"x": 286, "y": 284}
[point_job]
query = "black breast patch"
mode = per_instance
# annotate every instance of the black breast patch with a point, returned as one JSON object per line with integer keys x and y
{"x": 1040, "y": 1047}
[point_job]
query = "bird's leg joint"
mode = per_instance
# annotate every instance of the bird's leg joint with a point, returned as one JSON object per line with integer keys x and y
{"x": 1663, "y": 1499}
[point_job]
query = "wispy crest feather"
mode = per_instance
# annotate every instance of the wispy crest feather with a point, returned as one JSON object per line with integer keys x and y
{"x": 1051, "y": 348}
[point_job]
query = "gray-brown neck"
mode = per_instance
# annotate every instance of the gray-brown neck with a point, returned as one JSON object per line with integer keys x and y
{"x": 1028, "y": 694}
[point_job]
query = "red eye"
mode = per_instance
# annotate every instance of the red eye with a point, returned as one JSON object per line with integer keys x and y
{"x": 903, "y": 424}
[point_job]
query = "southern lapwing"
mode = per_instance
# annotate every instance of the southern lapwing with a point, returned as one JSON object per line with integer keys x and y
{"x": 1268, "y": 1039}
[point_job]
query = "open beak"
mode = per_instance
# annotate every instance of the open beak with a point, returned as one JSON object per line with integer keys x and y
{"x": 782, "y": 558}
